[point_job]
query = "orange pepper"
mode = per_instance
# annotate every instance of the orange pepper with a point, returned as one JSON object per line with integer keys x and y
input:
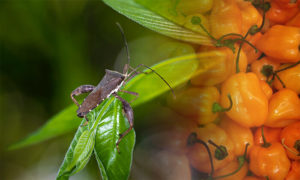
{"x": 258, "y": 67}
{"x": 279, "y": 14}
{"x": 239, "y": 135}
{"x": 225, "y": 17}
{"x": 270, "y": 161}
{"x": 198, "y": 155}
{"x": 290, "y": 78}
{"x": 294, "y": 173}
{"x": 196, "y": 103}
{"x": 231, "y": 167}
{"x": 287, "y": 3}
{"x": 250, "y": 52}
{"x": 250, "y": 104}
{"x": 284, "y": 108}
{"x": 218, "y": 73}
{"x": 266, "y": 89}
{"x": 271, "y": 135}
{"x": 290, "y": 138}
{"x": 295, "y": 21}
{"x": 281, "y": 43}
{"x": 250, "y": 16}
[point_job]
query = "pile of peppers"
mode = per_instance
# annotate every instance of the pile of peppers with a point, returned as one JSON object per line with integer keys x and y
{"x": 246, "y": 109}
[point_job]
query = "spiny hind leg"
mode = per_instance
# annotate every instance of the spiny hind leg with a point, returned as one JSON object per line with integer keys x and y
{"x": 80, "y": 90}
{"x": 129, "y": 115}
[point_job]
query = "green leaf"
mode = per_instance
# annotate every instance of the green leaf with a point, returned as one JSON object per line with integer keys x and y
{"x": 114, "y": 165}
{"x": 171, "y": 10}
{"x": 82, "y": 145}
{"x": 62, "y": 123}
{"x": 155, "y": 22}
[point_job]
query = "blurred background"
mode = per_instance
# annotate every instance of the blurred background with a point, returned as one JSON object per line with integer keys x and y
{"x": 47, "y": 49}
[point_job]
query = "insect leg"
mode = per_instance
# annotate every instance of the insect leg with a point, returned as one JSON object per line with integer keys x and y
{"x": 129, "y": 115}
{"x": 80, "y": 90}
{"x": 132, "y": 93}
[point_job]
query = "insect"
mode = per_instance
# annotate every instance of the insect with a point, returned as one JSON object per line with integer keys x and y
{"x": 111, "y": 83}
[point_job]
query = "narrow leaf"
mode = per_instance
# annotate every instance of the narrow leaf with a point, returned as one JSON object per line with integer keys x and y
{"x": 114, "y": 165}
{"x": 62, "y": 123}
{"x": 155, "y": 22}
{"x": 170, "y": 10}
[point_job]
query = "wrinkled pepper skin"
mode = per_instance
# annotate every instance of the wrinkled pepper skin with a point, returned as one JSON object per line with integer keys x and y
{"x": 281, "y": 43}
{"x": 290, "y": 78}
{"x": 226, "y": 17}
{"x": 250, "y": 104}
{"x": 269, "y": 161}
{"x": 284, "y": 108}
{"x": 197, "y": 154}
{"x": 289, "y": 136}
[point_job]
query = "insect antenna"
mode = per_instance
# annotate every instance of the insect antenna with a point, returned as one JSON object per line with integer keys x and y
{"x": 172, "y": 90}
{"x": 125, "y": 70}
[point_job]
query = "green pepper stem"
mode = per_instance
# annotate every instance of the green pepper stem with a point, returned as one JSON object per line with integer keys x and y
{"x": 265, "y": 144}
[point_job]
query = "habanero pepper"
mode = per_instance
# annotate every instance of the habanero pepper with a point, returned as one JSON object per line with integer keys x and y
{"x": 231, "y": 167}
{"x": 225, "y": 17}
{"x": 284, "y": 108}
{"x": 250, "y": 104}
{"x": 290, "y": 77}
{"x": 239, "y": 135}
{"x": 294, "y": 173}
{"x": 281, "y": 43}
{"x": 264, "y": 67}
{"x": 280, "y": 15}
{"x": 290, "y": 139}
{"x": 253, "y": 178}
{"x": 295, "y": 21}
{"x": 196, "y": 103}
{"x": 269, "y": 160}
{"x": 288, "y": 3}
{"x": 198, "y": 155}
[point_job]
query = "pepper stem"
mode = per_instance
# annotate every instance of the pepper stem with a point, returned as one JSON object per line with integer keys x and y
{"x": 289, "y": 149}
{"x": 265, "y": 144}
{"x": 218, "y": 108}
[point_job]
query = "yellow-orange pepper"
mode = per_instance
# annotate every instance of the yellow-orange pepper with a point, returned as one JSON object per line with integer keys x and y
{"x": 197, "y": 154}
{"x": 279, "y": 14}
{"x": 271, "y": 161}
{"x": 250, "y": 104}
{"x": 290, "y": 138}
{"x": 239, "y": 135}
{"x": 231, "y": 167}
{"x": 290, "y": 78}
{"x": 281, "y": 43}
{"x": 196, "y": 103}
{"x": 258, "y": 67}
{"x": 284, "y": 108}
{"x": 225, "y": 17}
{"x": 294, "y": 173}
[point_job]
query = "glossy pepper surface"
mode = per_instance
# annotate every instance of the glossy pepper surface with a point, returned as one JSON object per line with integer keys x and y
{"x": 269, "y": 161}
{"x": 284, "y": 108}
{"x": 250, "y": 104}
{"x": 281, "y": 43}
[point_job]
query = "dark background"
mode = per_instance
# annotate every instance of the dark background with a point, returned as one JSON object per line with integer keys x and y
{"x": 47, "y": 49}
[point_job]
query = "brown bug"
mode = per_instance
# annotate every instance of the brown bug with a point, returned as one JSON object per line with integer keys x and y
{"x": 111, "y": 83}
